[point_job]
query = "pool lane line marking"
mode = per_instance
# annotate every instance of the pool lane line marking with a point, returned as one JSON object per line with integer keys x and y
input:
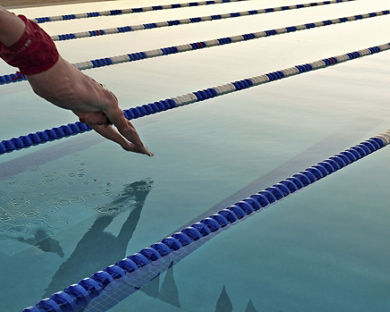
{"x": 69, "y": 17}
{"x": 352, "y": 131}
{"x": 137, "y": 56}
{"x": 215, "y": 17}
{"x": 56, "y": 133}
{"x": 53, "y": 152}
{"x": 82, "y": 294}
{"x": 40, "y": 157}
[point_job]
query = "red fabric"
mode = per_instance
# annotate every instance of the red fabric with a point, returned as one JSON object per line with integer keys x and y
{"x": 33, "y": 53}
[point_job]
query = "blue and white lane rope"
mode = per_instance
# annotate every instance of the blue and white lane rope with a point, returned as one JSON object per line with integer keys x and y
{"x": 123, "y": 29}
{"x": 121, "y": 288}
{"x": 137, "y": 56}
{"x": 78, "y": 296}
{"x": 40, "y": 137}
{"x": 116, "y": 12}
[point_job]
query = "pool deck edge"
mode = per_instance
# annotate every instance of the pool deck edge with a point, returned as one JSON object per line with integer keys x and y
{"x": 19, "y": 4}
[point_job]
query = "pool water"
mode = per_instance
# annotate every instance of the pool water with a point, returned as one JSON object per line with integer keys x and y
{"x": 72, "y": 207}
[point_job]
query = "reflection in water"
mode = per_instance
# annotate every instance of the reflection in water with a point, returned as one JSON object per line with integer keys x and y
{"x": 97, "y": 248}
{"x": 45, "y": 155}
{"x": 152, "y": 288}
{"x": 169, "y": 292}
{"x": 337, "y": 140}
{"x": 224, "y": 304}
{"x": 250, "y": 307}
{"x": 44, "y": 242}
{"x": 123, "y": 287}
{"x": 135, "y": 192}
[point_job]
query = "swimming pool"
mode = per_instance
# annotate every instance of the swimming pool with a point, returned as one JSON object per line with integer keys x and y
{"x": 85, "y": 204}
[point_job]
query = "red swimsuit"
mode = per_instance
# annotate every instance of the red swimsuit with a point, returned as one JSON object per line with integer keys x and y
{"x": 33, "y": 53}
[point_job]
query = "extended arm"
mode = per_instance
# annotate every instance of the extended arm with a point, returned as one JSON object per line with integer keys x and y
{"x": 25, "y": 45}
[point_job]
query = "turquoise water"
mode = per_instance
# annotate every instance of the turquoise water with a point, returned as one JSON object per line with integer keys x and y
{"x": 70, "y": 208}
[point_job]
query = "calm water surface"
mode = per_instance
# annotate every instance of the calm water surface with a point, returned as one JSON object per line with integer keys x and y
{"x": 70, "y": 208}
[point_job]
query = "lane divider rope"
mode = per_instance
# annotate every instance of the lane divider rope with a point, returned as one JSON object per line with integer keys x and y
{"x": 40, "y": 137}
{"x": 78, "y": 296}
{"x": 123, "y": 29}
{"x": 70, "y": 129}
{"x": 69, "y": 17}
{"x": 137, "y": 56}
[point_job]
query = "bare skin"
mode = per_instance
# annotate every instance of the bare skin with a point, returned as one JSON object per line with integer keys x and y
{"x": 65, "y": 86}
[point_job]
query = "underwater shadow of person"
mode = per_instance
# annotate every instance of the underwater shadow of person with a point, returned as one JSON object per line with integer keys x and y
{"x": 98, "y": 249}
{"x": 44, "y": 242}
